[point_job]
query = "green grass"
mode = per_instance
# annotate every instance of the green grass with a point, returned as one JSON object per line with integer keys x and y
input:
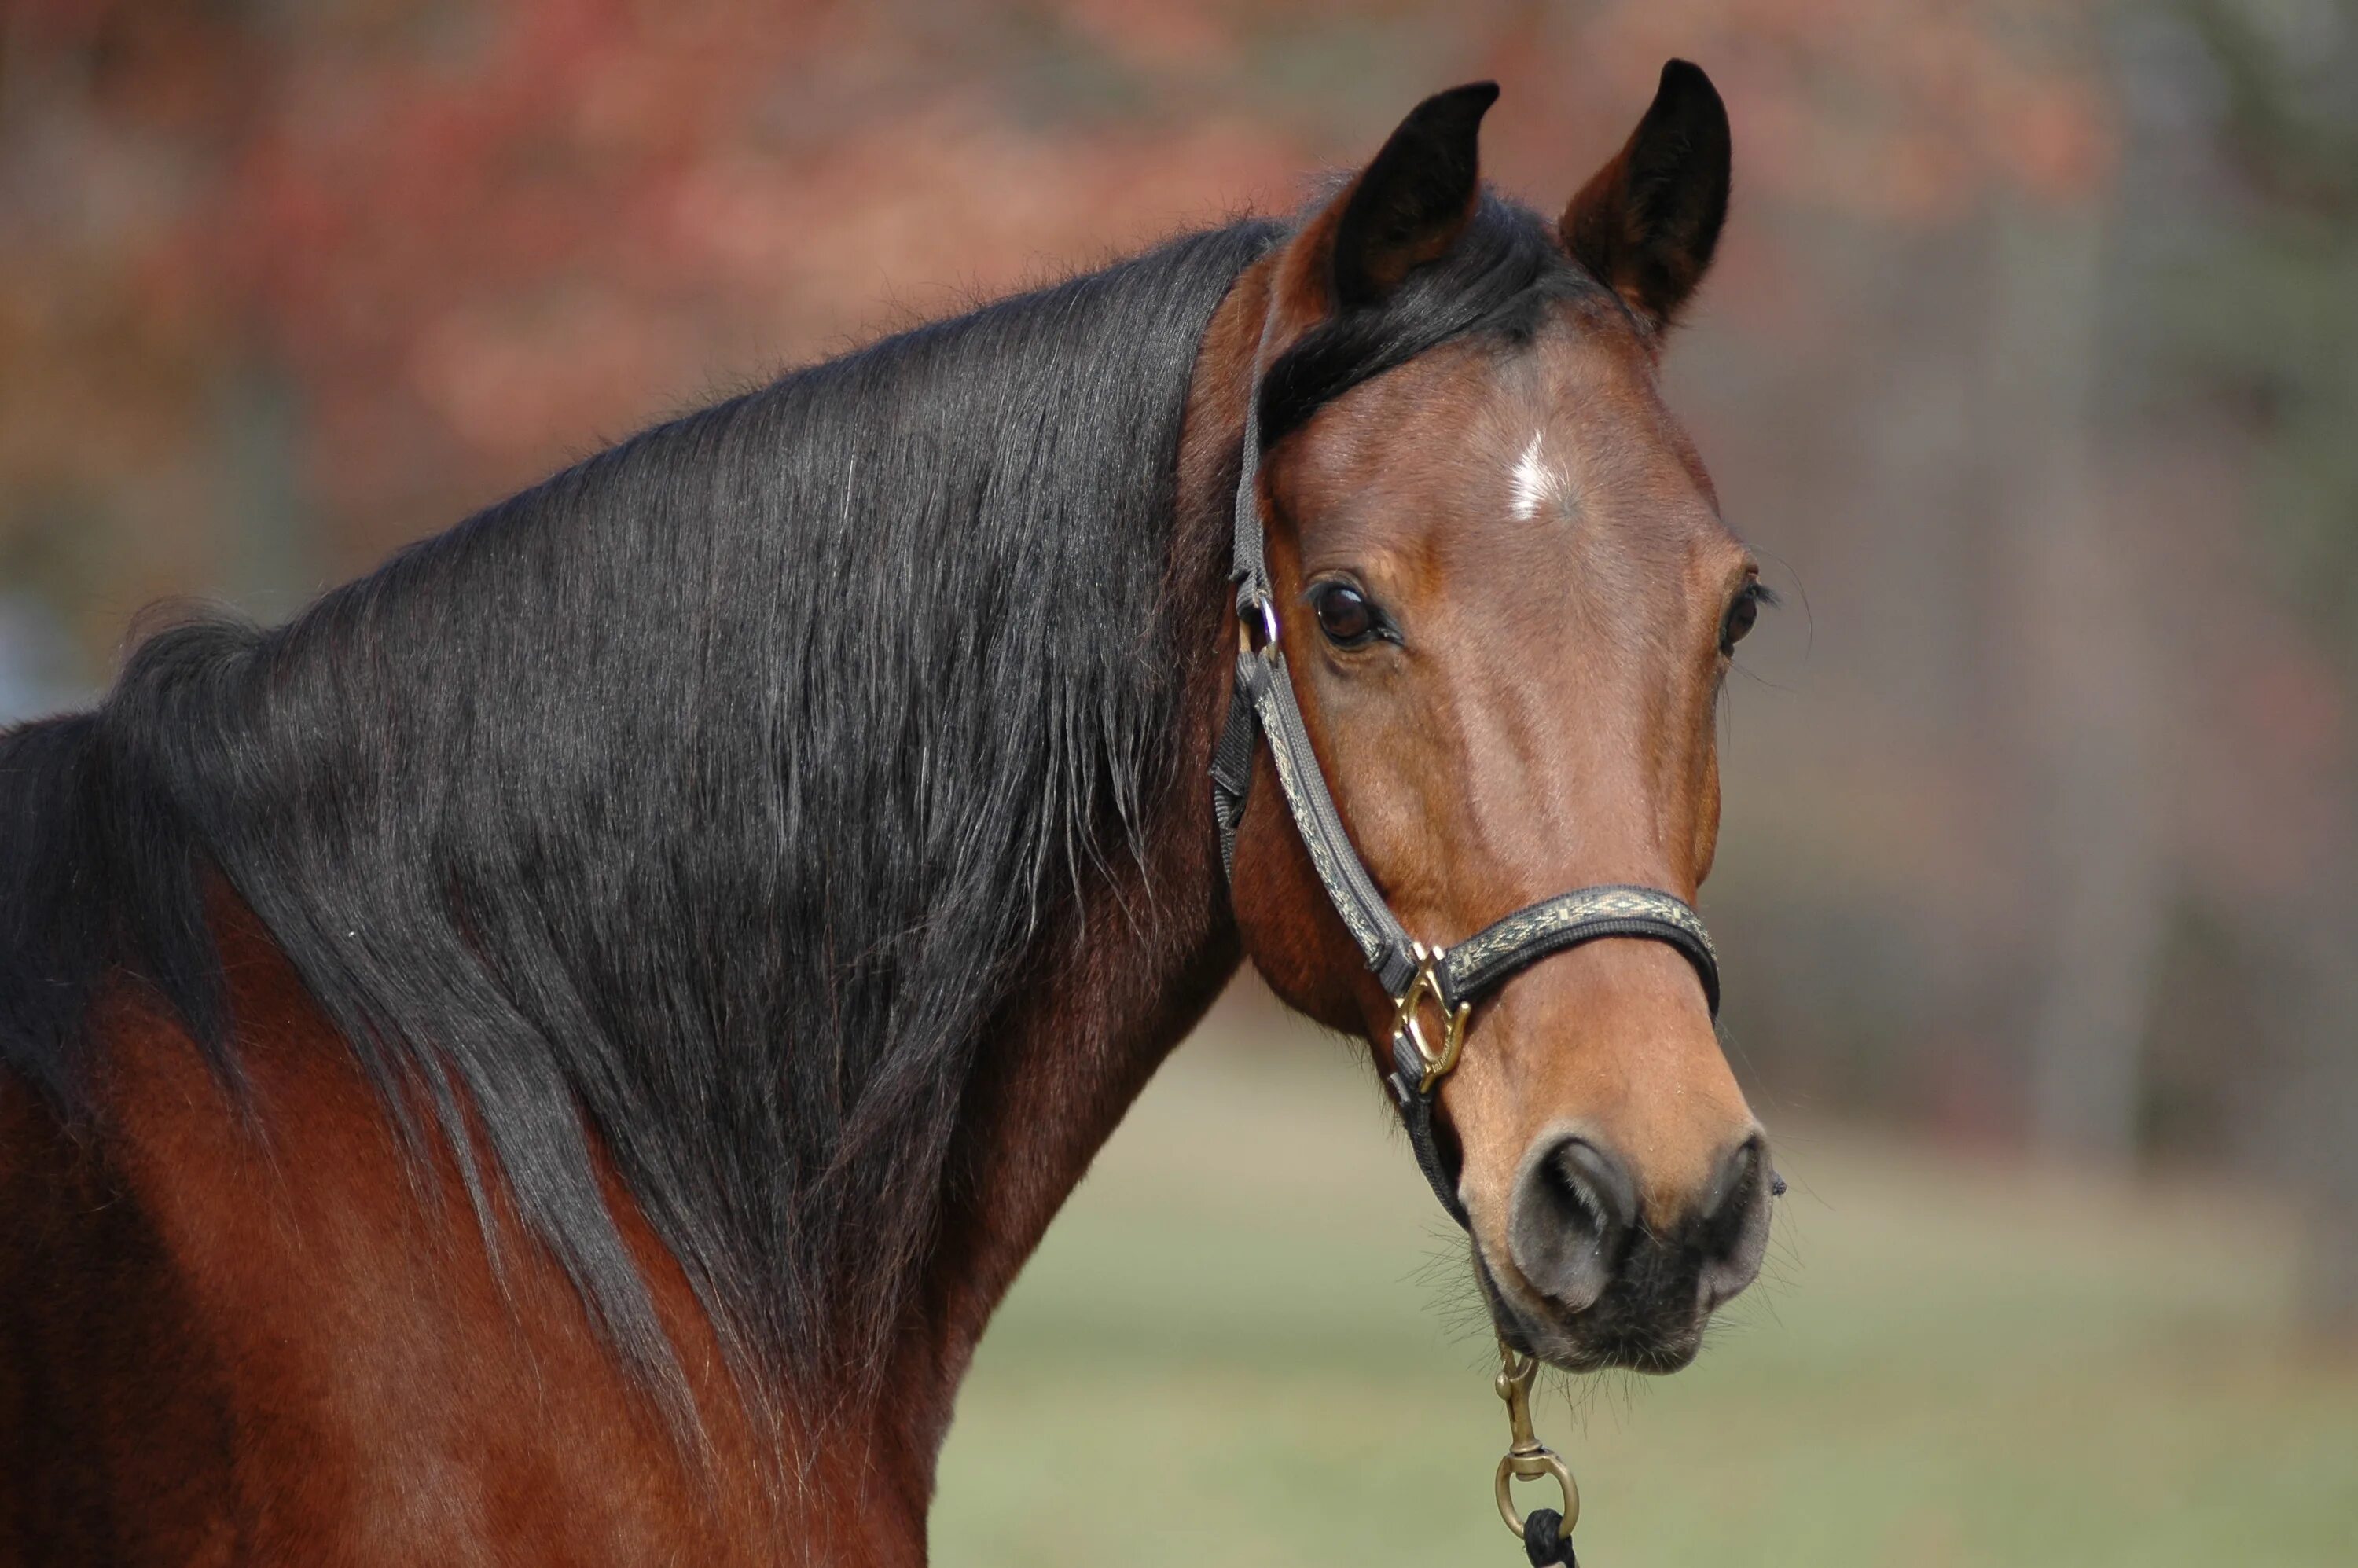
{"x": 1249, "y": 1341}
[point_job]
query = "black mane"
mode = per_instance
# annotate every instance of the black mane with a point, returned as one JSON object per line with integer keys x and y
{"x": 703, "y": 800}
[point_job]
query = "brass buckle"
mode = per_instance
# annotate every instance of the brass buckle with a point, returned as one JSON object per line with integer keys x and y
{"x": 1528, "y": 1459}
{"x": 1407, "y": 1018}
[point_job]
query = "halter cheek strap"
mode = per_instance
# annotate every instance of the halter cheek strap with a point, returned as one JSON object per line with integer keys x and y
{"x": 1421, "y": 980}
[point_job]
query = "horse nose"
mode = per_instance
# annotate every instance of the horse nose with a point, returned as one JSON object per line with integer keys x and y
{"x": 1575, "y": 1220}
{"x": 1732, "y": 1223}
{"x": 1574, "y": 1202}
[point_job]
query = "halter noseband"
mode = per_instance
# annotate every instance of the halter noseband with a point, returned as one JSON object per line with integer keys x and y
{"x": 1411, "y": 974}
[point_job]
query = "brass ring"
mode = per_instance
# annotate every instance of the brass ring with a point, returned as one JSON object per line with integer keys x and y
{"x": 1408, "y": 1020}
{"x": 1264, "y": 613}
{"x": 1530, "y": 1467}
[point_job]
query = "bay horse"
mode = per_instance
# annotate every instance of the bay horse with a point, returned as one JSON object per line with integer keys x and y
{"x": 555, "y": 1054}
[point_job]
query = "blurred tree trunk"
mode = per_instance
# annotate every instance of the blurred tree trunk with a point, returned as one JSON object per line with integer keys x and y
{"x": 2310, "y": 1136}
{"x": 2084, "y": 669}
{"x": 2276, "y": 291}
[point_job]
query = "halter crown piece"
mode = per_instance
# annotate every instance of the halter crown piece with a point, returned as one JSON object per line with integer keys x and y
{"x": 1414, "y": 974}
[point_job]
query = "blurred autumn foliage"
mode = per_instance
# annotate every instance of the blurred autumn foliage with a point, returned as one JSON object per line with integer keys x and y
{"x": 445, "y": 245}
{"x": 2032, "y": 360}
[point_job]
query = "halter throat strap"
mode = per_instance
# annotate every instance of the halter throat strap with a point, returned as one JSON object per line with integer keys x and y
{"x": 1262, "y": 706}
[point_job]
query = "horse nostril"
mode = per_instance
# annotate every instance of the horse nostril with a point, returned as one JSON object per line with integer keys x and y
{"x": 1574, "y": 1204}
{"x": 1732, "y": 1183}
{"x": 1733, "y": 1220}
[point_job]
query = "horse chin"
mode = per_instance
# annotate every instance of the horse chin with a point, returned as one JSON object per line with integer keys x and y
{"x": 1603, "y": 1338}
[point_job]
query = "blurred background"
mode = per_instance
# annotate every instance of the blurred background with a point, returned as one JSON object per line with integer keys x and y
{"x": 2031, "y": 366}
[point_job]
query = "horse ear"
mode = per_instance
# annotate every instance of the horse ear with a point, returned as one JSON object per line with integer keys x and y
{"x": 1647, "y": 222}
{"x": 1409, "y": 206}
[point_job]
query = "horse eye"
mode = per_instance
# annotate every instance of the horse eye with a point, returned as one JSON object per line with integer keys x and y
{"x": 1344, "y": 614}
{"x": 1740, "y": 617}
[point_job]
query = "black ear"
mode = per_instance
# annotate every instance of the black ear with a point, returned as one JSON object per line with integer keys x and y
{"x": 1647, "y": 222}
{"x": 1410, "y": 205}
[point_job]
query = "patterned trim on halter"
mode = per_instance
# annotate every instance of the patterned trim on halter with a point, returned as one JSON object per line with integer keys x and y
{"x": 1322, "y": 854}
{"x": 1589, "y": 907}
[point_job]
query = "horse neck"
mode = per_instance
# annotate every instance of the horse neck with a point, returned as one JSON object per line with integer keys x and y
{"x": 359, "y": 1264}
{"x": 1150, "y": 947}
